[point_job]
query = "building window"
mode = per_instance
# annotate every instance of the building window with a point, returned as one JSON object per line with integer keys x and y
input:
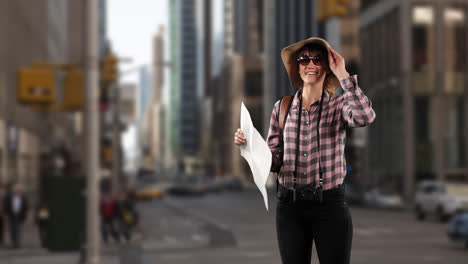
{"x": 455, "y": 35}
{"x": 455, "y": 145}
{"x": 253, "y": 83}
{"x": 423, "y": 49}
{"x": 424, "y": 136}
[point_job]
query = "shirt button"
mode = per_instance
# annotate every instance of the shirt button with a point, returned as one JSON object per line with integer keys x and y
{"x": 305, "y": 154}
{"x": 307, "y": 122}
{"x": 305, "y": 137}
{"x": 305, "y": 173}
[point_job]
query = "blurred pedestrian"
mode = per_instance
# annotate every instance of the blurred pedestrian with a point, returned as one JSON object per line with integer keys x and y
{"x": 127, "y": 214}
{"x": 311, "y": 163}
{"x": 42, "y": 221}
{"x": 16, "y": 207}
{"x": 108, "y": 210}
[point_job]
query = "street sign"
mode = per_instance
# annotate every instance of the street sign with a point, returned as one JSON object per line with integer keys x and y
{"x": 330, "y": 8}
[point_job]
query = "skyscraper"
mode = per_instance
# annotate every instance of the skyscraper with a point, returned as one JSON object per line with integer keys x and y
{"x": 240, "y": 81}
{"x": 186, "y": 68}
{"x": 286, "y": 23}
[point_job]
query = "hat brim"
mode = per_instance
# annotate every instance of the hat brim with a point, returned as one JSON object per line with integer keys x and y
{"x": 289, "y": 56}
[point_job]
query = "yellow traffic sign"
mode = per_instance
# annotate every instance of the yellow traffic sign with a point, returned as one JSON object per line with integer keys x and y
{"x": 74, "y": 91}
{"x": 330, "y": 8}
{"x": 35, "y": 86}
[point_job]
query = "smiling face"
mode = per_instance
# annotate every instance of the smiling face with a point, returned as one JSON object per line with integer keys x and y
{"x": 313, "y": 65}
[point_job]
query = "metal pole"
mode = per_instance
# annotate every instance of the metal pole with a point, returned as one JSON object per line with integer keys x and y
{"x": 408, "y": 102}
{"x": 116, "y": 140}
{"x": 92, "y": 119}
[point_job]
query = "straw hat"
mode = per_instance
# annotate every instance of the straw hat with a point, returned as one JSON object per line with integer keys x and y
{"x": 289, "y": 57}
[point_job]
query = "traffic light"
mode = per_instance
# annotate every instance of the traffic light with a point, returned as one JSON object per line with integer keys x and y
{"x": 74, "y": 91}
{"x": 330, "y": 8}
{"x": 35, "y": 86}
{"x": 109, "y": 68}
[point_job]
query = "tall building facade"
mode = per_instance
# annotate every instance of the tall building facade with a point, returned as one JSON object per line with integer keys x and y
{"x": 34, "y": 31}
{"x": 240, "y": 81}
{"x": 287, "y": 22}
{"x": 173, "y": 92}
{"x": 157, "y": 138}
{"x": 205, "y": 54}
{"x": 420, "y": 93}
{"x": 187, "y": 80}
{"x": 189, "y": 129}
{"x": 145, "y": 90}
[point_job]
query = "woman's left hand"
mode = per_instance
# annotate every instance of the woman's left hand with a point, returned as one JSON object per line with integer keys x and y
{"x": 337, "y": 65}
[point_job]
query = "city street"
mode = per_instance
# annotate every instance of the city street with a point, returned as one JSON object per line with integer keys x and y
{"x": 234, "y": 227}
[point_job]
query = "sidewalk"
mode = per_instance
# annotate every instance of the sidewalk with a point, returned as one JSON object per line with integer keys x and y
{"x": 32, "y": 252}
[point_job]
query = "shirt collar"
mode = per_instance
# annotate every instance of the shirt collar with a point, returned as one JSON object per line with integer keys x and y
{"x": 296, "y": 99}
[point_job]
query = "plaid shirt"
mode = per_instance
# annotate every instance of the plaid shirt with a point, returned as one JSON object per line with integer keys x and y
{"x": 352, "y": 109}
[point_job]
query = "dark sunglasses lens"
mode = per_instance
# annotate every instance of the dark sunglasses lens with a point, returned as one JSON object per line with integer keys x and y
{"x": 304, "y": 61}
{"x": 316, "y": 60}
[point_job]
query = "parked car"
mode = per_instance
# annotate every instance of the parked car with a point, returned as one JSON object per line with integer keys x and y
{"x": 374, "y": 198}
{"x": 441, "y": 199}
{"x": 457, "y": 229}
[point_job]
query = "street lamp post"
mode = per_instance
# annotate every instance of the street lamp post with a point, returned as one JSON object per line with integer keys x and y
{"x": 92, "y": 121}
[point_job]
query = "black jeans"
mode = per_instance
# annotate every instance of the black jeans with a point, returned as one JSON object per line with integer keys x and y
{"x": 329, "y": 224}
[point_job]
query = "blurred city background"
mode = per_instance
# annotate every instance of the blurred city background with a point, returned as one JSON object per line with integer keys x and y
{"x": 172, "y": 185}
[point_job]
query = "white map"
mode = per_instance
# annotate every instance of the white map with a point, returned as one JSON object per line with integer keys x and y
{"x": 256, "y": 152}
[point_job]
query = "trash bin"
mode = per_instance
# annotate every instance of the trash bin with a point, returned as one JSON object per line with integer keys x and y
{"x": 65, "y": 197}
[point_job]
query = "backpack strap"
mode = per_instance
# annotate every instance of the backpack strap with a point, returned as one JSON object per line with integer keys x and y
{"x": 285, "y": 105}
{"x": 284, "y": 109}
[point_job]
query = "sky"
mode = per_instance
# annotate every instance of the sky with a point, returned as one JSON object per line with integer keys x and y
{"x": 131, "y": 26}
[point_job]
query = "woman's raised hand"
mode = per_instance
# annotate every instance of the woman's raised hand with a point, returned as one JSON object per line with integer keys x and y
{"x": 337, "y": 65}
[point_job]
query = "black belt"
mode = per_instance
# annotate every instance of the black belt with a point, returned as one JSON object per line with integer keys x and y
{"x": 308, "y": 193}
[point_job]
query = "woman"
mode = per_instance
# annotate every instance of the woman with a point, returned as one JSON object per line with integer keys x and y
{"x": 311, "y": 205}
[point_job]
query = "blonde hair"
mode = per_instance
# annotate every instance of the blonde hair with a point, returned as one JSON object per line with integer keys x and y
{"x": 330, "y": 83}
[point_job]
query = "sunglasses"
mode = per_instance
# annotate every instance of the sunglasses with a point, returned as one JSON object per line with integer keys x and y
{"x": 305, "y": 60}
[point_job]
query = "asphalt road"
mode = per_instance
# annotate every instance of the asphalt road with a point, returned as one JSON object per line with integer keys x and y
{"x": 234, "y": 227}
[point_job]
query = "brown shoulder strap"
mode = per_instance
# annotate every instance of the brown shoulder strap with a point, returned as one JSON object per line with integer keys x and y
{"x": 284, "y": 109}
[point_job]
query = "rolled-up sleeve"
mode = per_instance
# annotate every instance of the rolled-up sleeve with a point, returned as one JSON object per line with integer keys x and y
{"x": 274, "y": 140}
{"x": 356, "y": 108}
